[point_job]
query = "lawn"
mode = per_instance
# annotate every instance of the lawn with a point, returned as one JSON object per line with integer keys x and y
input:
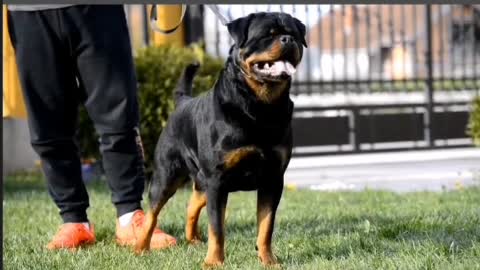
{"x": 314, "y": 230}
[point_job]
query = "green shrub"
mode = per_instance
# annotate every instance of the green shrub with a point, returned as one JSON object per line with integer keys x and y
{"x": 474, "y": 122}
{"x": 87, "y": 137}
{"x": 158, "y": 69}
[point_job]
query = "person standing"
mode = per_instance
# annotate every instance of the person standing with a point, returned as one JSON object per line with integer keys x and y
{"x": 71, "y": 55}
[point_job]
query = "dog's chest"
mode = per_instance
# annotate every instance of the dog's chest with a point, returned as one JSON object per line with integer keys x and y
{"x": 247, "y": 167}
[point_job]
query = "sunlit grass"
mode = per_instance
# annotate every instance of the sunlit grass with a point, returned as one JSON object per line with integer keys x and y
{"x": 314, "y": 230}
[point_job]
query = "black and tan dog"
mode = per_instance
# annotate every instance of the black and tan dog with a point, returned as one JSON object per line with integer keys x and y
{"x": 236, "y": 137}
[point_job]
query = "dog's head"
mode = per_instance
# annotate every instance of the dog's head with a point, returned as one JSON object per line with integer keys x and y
{"x": 268, "y": 47}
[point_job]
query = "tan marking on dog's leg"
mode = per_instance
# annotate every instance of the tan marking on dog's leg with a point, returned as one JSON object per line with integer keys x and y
{"x": 267, "y": 202}
{"x": 198, "y": 200}
{"x": 233, "y": 157}
{"x": 216, "y": 253}
{"x": 145, "y": 236}
{"x": 265, "y": 230}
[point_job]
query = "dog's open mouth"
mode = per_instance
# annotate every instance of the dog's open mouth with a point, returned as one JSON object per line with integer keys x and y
{"x": 274, "y": 70}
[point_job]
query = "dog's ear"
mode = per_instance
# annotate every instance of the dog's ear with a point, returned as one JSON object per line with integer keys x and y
{"x": 238, "y": 29}
{"x": 302, "y": 30}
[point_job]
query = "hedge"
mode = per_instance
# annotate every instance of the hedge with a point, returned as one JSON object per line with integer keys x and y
{"x": 474, "y": 122}
{"x": 158, "y": 69}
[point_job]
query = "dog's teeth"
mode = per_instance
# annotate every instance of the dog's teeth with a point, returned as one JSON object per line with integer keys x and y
{"x": 266, "y": 66}
{"x": 290, "y": 68}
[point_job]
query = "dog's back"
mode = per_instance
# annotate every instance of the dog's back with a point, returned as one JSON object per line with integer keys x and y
{"x": 176, "y": 149}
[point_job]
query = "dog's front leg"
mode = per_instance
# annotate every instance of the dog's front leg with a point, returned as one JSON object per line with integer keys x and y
{"x": 216, "y": 205}
{"x": 268, "y": 199}
{"x": 198, "y": 200}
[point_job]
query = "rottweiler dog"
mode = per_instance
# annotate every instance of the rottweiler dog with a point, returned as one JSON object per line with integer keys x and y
{"x": 235, "y": 137}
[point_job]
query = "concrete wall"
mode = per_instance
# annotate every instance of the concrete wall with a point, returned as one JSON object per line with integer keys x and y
{"x": 17, "y": 152}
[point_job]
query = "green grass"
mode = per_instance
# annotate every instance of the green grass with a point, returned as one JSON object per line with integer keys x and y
{"x": 314, "y": 230}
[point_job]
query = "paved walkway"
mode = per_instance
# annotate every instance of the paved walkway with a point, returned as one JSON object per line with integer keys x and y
{"x": 432, "y": 170}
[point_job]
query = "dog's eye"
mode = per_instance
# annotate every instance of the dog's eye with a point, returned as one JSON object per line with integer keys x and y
{"x": 273, "y": 32}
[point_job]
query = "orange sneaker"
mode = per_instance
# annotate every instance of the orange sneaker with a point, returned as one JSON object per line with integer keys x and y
{"x": 127, "y": 235}
{"x": 72, "y": 236}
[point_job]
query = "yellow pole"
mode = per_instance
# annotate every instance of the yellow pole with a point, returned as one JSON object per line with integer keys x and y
{"x": 168, "y": 16}
{"x": 13, "y": 104}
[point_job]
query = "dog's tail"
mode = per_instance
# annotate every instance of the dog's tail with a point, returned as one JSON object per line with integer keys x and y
{"x": 183, "y": 90}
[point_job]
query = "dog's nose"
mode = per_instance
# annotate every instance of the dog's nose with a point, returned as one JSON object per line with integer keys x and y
{"x": 285, "y": 39}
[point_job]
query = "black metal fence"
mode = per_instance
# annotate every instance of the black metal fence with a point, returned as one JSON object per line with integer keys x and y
{"x": 374, "y": 77}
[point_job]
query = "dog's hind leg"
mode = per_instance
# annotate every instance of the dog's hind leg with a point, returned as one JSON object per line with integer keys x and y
{"x": 198, "y": 200}
{"x": 216, "y": 205}
{"x": 267, "y": 203}
{"x": 163, "y": 186}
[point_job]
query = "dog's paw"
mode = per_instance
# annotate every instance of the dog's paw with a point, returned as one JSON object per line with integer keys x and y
{"x": 269, "y": 260}
{"x": 194, "y": 238}
{"x": 194, "y": 241}
{"x": 139, "y": 250}
{"x": 141, "y": 247}
{"x": 209, "y": 264}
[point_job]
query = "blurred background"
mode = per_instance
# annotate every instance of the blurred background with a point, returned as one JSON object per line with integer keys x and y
{"x": 374, "y": 78}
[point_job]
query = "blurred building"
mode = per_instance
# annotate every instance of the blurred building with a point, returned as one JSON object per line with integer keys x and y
{"x": 390, "y": 40}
